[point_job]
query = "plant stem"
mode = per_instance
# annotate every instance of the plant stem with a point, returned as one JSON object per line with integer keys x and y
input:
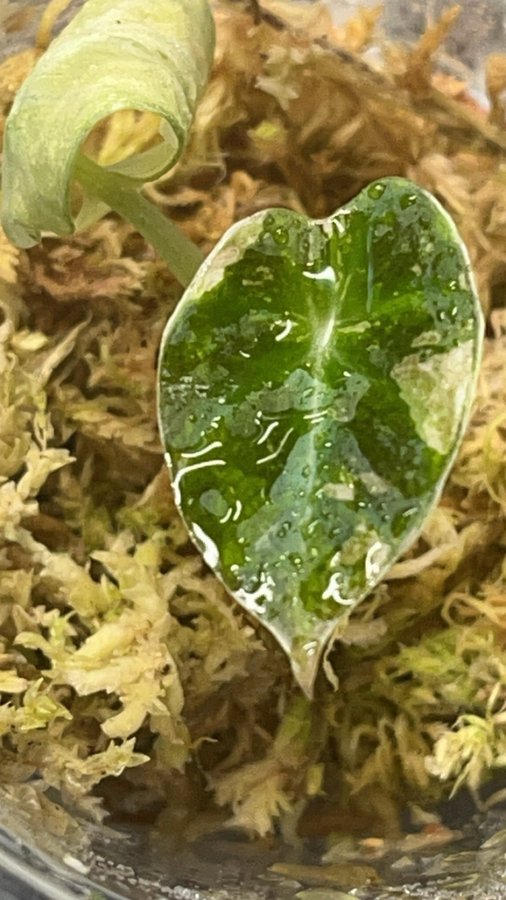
{"x": 122, "y": 195}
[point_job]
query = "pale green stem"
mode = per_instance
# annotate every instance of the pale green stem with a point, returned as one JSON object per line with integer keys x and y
{"x": 122, "y": 195}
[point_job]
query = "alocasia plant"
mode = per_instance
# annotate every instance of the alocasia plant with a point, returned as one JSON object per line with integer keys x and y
{"x": 317, "y": 376}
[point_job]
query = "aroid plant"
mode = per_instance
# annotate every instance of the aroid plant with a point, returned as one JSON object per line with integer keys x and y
{"x": 316, "y": 377}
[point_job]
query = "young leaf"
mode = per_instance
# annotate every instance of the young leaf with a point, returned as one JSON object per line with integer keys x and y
{"x": 150, "y": 55}
{"x": 314, "y": 385}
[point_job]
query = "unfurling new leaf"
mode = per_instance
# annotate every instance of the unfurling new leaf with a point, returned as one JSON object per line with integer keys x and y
{"x": 148, "y": 55}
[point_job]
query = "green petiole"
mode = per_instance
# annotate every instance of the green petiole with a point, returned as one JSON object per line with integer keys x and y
{"x": 122, "y": 194}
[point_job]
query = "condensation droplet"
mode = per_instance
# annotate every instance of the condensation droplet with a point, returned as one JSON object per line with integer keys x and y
{"x": 407, "y": 200}
{"x": 376, "y": 191}
{"x": 283, "y": 529}
{"x": 280, "y": 235}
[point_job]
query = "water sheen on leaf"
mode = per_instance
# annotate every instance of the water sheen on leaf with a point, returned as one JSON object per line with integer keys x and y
{"x": 314, "y": 385}
{"x": 149, "y": 55}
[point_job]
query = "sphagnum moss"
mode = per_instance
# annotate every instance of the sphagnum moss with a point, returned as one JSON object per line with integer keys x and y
{"x": 121, "y": 655}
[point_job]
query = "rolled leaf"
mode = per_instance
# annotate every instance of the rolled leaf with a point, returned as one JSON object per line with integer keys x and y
{"x": 149, "y": 55}
{"x": 314, "y": 385}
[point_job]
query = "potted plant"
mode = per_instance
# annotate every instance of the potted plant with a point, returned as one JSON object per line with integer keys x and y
{"x": 314, "y": 386}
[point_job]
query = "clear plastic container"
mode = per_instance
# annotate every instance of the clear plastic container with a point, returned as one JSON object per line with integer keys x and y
{"x": 107, "y": 862}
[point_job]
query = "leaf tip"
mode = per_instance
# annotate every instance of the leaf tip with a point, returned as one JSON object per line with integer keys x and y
{"x": 17, "y": 233}
{"x": 305, "y": 657}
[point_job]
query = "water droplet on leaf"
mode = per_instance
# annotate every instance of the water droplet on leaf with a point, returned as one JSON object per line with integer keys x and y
{"x": 375, "y": 191}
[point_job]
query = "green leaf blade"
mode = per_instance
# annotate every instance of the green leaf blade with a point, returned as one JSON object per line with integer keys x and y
{"x": 151, "y": 56}
{"x": 315, "y": 382}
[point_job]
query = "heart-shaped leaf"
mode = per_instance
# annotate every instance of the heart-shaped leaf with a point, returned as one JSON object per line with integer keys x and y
{"x": 315, "y": 382}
